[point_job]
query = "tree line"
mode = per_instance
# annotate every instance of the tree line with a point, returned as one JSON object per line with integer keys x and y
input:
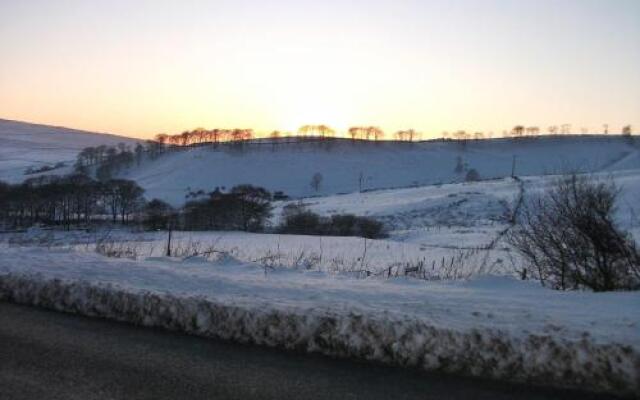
{"x": 67, "y": 201}
{"x": 520, "y": 131}
{"x": 374, "y": 133}
{"x": 80, "y": 201}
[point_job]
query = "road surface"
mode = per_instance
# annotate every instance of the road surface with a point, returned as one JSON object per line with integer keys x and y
{"x": 49, "y": 355}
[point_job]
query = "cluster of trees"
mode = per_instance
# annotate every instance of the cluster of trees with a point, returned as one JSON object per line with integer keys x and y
{"x": 43, "y": 168}
{"x": 408, "y": 135}
{"x": 464, "y": 135}
{"x": 70, "y": 200}
{"x": 316, "y": 130}
{"x": 244, "y": 207}
{"x": 570, "y": 238}
{"x": 214, "y": 136}
{"x": 108, "y": 160}
{"x": 365, "y": 133}
{"x": 201, "y": 135}
{"x": 297, "y": 220}
{"x": 79, "y": 200}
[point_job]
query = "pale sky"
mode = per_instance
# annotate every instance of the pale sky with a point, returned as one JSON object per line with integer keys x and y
{"x": 143, "y": 67}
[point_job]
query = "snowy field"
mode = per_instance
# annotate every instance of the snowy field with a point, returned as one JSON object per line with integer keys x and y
{"x": 444, "y": 231}
{"x": 463, "y": 311}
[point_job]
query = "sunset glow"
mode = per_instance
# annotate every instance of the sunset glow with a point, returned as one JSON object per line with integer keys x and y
{"x": 144, "y": 67}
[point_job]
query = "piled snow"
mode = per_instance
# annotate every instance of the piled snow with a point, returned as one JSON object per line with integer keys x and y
{"x": 24, "y": 145}
{"x": 491, "y": 327}
{"x": 347, "y": 167}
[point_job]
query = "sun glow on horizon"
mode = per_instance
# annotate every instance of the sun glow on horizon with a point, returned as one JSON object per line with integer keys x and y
{"x": 142, "y": 68}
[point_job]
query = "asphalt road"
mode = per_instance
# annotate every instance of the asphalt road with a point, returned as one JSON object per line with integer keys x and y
{"x": 49, "y": 355}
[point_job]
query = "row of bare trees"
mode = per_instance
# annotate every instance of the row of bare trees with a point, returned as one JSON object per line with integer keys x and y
{"x": 519, "y": 131}
{"x": 68, "y": 200}
{"x": 201, "y": 135}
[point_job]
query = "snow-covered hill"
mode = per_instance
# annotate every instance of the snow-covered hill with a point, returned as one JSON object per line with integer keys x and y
{"x": 289, "y": 165}
{"x": 24, "y": 145}
{"x": 348, "y": 167}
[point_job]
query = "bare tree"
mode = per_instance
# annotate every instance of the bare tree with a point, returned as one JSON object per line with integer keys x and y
{"x": 353, "y": 132}
{"x": 406, "y": 135}
{"x": 139, "y": 151}
{"x": 375, "y": 132}
{"x": 459, "y": 165}
{"x": 460, "y": 135}
{"x": 626, "y": 130}
{"x": 570, "y": 240}
{"x": 532, "y": 131}
{"x": 316, "y": 181}
{"x": 517, "y": 131}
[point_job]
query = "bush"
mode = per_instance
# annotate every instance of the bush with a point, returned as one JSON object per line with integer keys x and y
{"x": 570, "y": 240}
{"x": 304, "y": 223}
{"x": 343, "y": 225}
{"x": 370, "y": 228}
{"x": 472, "y": 175}
{"x": 300, "y": 221}
{"x": 157, "y": 215}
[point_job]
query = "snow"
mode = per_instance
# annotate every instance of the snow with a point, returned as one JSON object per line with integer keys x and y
{"x": 24, "y": 145}
{"x": 489, "y": 326}
{"x": 347, "y": 296}
{"x": 289, "y": 167}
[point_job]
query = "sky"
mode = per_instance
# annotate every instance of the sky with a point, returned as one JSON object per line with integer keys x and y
{"x": 148, "y": 66}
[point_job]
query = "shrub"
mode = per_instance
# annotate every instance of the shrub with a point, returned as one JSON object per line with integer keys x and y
{"x": 303, "y": 223}
{"x": 343, "y": 224}
{"x": 157, "y": 215}
{"x": 472, "y": 175}
{"x": 570, "y": 240}
{"x": 370, "y": 228}
{"x": 300, "y": 221}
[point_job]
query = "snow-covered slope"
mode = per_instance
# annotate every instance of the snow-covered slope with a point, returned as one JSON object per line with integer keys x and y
{"x": 24, "y": 145}
{"x": 347, "y": 167}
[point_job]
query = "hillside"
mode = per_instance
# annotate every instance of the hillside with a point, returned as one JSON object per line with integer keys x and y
{"x": 24, "y": 145}
{"x": 348, "y": 167}
{"x": 288, "y": 165}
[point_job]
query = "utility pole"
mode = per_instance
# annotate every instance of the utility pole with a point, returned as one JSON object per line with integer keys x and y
{"x": 170, "y": 226}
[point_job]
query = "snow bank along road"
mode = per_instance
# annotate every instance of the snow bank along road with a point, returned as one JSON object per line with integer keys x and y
{"x": 60, "y": 356}
{"x": 493, "y": 327}
{"x": 57, "y": 356}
